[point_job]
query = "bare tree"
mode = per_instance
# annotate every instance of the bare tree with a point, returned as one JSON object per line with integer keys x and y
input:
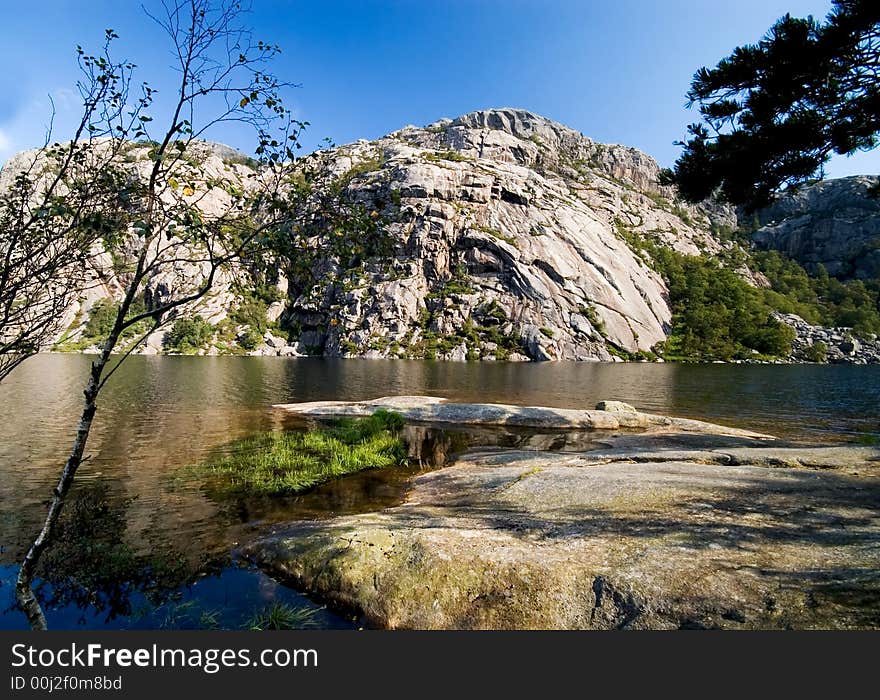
{"x": 185, "y": 220}
{"x": 56, "y": 205}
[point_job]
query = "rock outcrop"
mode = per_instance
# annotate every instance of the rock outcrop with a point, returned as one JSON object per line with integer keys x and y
{"x": 498, "y": 235}
{"x": 219, "y": 170}
{"x": 608, "y": 415}
{"x": 507, "y": 239}
{"x": 834, "y": 223}
{"x": 835, "y": 345}
{"x": 649, "y": 531}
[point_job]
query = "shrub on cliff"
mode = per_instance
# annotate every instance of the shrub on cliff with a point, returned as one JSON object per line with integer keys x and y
{"x": 820, "y": 298}
{"x": 715, "y": 313}
{"x": 102, "y": 316}
{"x": 188, "y": 335}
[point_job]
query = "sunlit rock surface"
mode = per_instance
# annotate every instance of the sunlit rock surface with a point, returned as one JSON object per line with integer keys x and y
{"x": 660, "y": 529}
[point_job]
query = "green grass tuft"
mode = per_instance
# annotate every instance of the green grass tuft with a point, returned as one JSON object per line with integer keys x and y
{"x": 286, "y": 463}
{"x": 280, "y": 616}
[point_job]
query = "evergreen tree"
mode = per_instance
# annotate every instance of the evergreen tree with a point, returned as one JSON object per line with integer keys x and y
{"x": 774, "y": 112}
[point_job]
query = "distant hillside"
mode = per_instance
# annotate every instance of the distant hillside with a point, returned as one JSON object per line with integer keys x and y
{"x": 833, "y": 223}
{"x": 499, "y": 235}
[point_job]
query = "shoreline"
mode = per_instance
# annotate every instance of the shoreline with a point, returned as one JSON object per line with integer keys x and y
{"x": 616, "y": 361}
{"x": 677, "y": 525}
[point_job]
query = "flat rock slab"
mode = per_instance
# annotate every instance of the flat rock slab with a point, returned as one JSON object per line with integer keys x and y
{"x": 733, "y": 450}
{"x": 432, "y": 409}
{"x": 524, "y": 540}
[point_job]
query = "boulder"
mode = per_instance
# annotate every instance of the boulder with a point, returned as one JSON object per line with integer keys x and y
{"x": 615, "y": 407}
{"x": 849, "y": 346}
{"x": 432, "y": 409}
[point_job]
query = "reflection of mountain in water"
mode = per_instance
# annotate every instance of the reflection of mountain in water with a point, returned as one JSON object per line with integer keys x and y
{"x": 434, "y": 446}
{"x": 92, "y": 567}
{"x": 161, "y": 414}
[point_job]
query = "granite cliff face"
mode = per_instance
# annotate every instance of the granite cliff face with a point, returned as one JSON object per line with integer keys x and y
{"x": 219, "y": 169}
{"x": 507, "y": 238}
{"x": 835, "y": 223}
{"x": 499, "y": 235}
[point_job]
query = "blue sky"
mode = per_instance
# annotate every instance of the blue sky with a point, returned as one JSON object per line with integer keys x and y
{"x": 617, "y": 71}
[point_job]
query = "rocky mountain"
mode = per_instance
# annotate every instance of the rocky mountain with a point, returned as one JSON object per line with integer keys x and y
{"x": 835, "y": 223}
{"x": 214, "y": 171}
{"x": 508, "y": 238}
{"x": 498, "y": 235}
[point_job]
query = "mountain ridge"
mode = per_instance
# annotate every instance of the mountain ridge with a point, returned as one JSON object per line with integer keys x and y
{"x": 497, "y": 235}
{"x": 506, "y": 196}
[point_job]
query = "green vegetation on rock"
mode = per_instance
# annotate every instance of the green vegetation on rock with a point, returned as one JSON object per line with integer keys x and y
{"x": 485, "y": 325}
{"x": 458, "y": 283}
{"x": 817, "y": 352}
{"x": 820, "y": 298}
{"x": 242, "y": 159}
{"x": 102, "y": 316}
{"x": 368, "y": 165}
{"x": 251, "y": 312}
{"x": 189, "y": 335}
{"x": 281, "y": 616}
{"x": 495, "y": 233}
{"x": 716, "y": 314}
{"x": 292, "y": 462}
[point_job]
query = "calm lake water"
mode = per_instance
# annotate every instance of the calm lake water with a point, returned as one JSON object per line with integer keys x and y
{"x": 170, "y": 559}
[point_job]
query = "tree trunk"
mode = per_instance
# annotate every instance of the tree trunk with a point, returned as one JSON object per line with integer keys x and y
{"x": 23, "y": 586}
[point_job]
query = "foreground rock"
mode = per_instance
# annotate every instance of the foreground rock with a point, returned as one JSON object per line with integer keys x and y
{"x": 433, "y": 409}
{"x": 661, "y": 529}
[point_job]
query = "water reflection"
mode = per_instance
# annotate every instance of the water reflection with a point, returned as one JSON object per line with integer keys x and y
{"x": 93, "y": 568}
{"x": 428, "y": 448}
{"x": 163, "y": 413}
